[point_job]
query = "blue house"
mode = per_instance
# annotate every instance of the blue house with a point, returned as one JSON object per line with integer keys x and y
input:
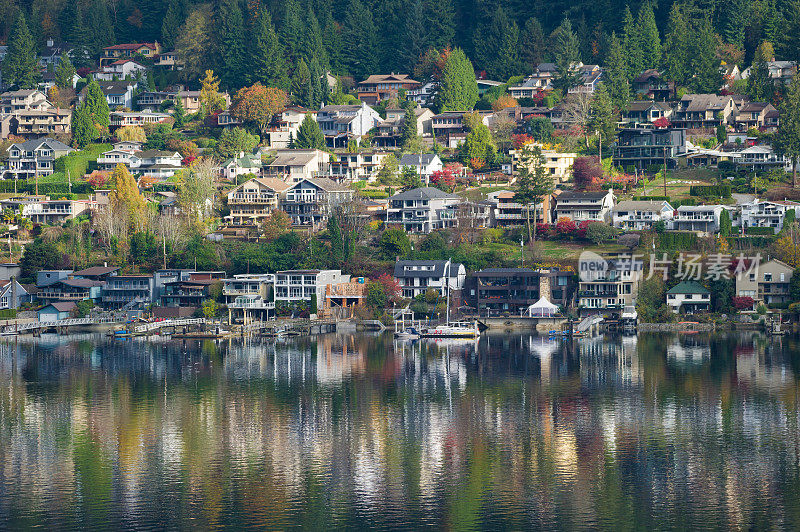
{"x": 56, "y": 311}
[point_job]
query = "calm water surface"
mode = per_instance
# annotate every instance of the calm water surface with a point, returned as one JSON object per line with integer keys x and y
{"x": 360, "y": 432}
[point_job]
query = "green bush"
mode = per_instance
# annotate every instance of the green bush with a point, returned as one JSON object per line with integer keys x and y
{"x": 8, "y": 314}
{"x": 719, "y": 191}
{"x": 80, "y": 162}
{"x": 676, "y": 240}
{"x": 651, "y": 198}
{"x": 374, "y": 194}
{"x": 759, "y": 231}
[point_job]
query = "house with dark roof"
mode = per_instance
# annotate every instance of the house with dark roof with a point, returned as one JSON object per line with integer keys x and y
{"x": 752, "y": 115}
{"x": 589, "y": 77}
{"x": 703, "y": 111}
{"x": 129, "y": 50}
{"x": 641, "y": 148}
{"x": 652, "y": 84}
{"x": 423, "y": 210}
{"x": 689, "y": 297}
{"x": 118, "y": 93}
{"x": 128, "y": 291}
{"x": 35, "y": 157}
{"x": 71, "y": 290}
{"x": 584, "y": 206}
{"x": 379, "y": 87}
{"x": 416, "y": 277}
{"x": 645, "y": 112}
{"x": 510, "y": 291}
{"x": 424, "y": 164}
{"x": 96, "y": 273}
{"x": 311, "y": 201}
{"x": 253, "y": 201}
{"x": 57, "y": 311}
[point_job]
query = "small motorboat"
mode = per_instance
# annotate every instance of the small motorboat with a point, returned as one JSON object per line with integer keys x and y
{"x": 452, "y": 330}
{"x": 409, "y": 333}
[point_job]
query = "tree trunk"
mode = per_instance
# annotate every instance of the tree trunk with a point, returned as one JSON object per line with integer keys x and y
{"x": 534, "y": 222}
{"x": 528, "y": 220}
{"x": 794, "y": 172}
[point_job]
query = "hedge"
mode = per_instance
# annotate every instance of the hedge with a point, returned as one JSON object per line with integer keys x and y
{"x": 374, "y": 194}
{"x": 721, "y": 191}
{"x": 748, "y": 242}
{"x": 675, "y": 240}
{"x": 80, "y": 162}
{"x": 651, "y": 198}
{"x": 759, "y": 231}
{"x": 684, "y": 202}
{"x": 49, "y": 189}
{"x": 8, "y": 314}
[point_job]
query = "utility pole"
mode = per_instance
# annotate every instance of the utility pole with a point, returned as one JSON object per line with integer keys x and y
{"x": 522, "y": 250}
{"x": 665, "y": 172}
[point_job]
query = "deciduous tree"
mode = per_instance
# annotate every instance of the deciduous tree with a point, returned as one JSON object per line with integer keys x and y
{"x": 533, "y": 183}
{"x": 211, "y": 101}
{"x": 257, "y": 104}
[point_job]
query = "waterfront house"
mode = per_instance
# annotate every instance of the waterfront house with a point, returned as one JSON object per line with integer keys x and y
{"x": 495, "y": 291}
{"x": 293, "y": 286}
{"x": 48, "y": 277}
{"x": 71, "y": 290}
{"x": 583, "y": 206}
{"x": 611, "y": 291}
{"x": 190, "y": 293}
{"x": 34, "y": 158}
{"x": 640, "y": 215}
{"x": 253, "y": 201}
{"x": 249, "y": 297}
{"x": 57, "y": 311}
{"x": 768, "y": 283}
{"x": 12, "y": 294}
{"x": 416, "y": 277}
{"x": 422, "y": 210}
{"x": 689, "y": 297}
{"x": 311, "y": 201}
{"x": 128, "y": 291}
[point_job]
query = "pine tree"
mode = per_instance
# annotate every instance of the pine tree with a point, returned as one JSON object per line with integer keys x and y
{"x": 64, "y": 72}
{"x": 309, "y": 135}
{"x": 735, "y": 14}
{"x": 100, "y": 28}
{"x": 533, "y": 184}
{"x": 97, "y": 105}
{"x": 409, "y": 132}
{"x": 179, "y": 114}
{"x": 291, "y": 30}
{"x": 232, "y": 44}
{"x": 315, "y": 82}
{"x": 458, "y": 90}
{"x": 787, "y": 140}
{"x": 414, "y": 35}
{"x": 312, "y": 43}
{"x": 20, "y": 66}
{"x": 358, "y": 31}
{"x": 532, "y": 45}
{"x": 332, "y": 38}
{"x": 83, "y": 130}
{"x": 267, "y": 62}
{"x": 676, "y": 46}
{"x": 496, "y": 46}
{"x": 631, "y": 46}
{"x": 707, "y": 77}
{"x": 301, "y": 85}
{"x": 603, "y": 119}
{"x": 649, "y": 39}
{"x": 760, "y": 86}
{"x": 440, "y": 24}
{"x": 173, "y": 19}
{"x": 615, "y": 75}
{"x": 566, "y": 53}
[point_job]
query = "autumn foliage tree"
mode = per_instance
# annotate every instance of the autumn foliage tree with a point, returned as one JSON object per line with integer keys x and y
{"x": 586, "y": 171}
{"x": 126, "y": 200}
{"x": 257, "y": 104}
{"x": 503, "y": 102}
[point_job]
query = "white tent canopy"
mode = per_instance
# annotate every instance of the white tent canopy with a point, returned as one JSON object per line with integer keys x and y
{"x": 542, "y": 309}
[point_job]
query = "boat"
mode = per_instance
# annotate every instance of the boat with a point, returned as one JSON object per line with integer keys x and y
{"x": 629, "y": 319}
{"x": 409, "y": 333}
{"x": 453, "y": 329}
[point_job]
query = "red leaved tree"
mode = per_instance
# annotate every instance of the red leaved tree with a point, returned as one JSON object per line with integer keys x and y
{"x": 586, "y": 171}
{"x": 743, "y": 303}
{"x": 390, "y": 287}
{"x": 662, "y": 123}
{"x": 444, "y": 179}
{"x": 566, "y": 227}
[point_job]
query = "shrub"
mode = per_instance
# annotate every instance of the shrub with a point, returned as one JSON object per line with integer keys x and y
{"x": 721, "y": 191}
{"x": 759, "y": 231}
{"x": 743, "y": 303}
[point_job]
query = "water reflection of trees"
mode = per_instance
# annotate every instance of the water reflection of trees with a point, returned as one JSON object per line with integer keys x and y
{"x": 512, "y": 432}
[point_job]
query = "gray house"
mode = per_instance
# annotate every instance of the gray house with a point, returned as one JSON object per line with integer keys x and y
{"x": 311, "y": 201}
{"x": 416, "y": 277}
{"x": 34, "y": 158}
{"x": 423, "y": 210}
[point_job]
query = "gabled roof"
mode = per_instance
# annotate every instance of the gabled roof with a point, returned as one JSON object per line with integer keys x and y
{"x": 95, "y": 271}
{"x": 649, "y": 206}
{"x": 34, "y": 144}
{"x": 424, "y": 193}
{"x": 646, "y": 75}
{"x": 276, "y": 185}
{"x": 415, "y": 159}
{"x": 383, "y": 78}
{"x": 688, "y": 287}
{"x": 328, "y": 185}
{"x": 130, "y": 46}
{"x": 586, "y": 196}
{"x": 62, "y": 306}
{"x": 439, "y": 268}
{"x": 704, "y": 102}
{"x": 293, "y": 158}
{"x": 79, "y": 283}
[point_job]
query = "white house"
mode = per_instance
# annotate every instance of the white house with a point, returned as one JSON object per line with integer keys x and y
{"x": 342, "y": 123}
{"x": 423, "y": 210}
{"x": 295, "y": 165}
{"x": 416, "y": 277}
{"x": 689, "y": 297}
{"x": 286, "y": 125}
{"x": 762, "y": 213}
{"x": 136, "y": 118}
{"x": 582, "y": 206}
{"x": 640, "y": 215}
{"x": 762, "y": 157}
{"x": 34, "y": 157}
{"x": 120, "y": 70}
{"x": 242, "y": 164}
{"x": 697, "y": 218}
{"x": 423, "y": 164}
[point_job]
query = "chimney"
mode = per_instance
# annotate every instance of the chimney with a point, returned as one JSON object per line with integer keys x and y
{"x": 50, "y": 43}
{"x": 14, "y": 301}
{"x": 105, "y": 265}
{"x": 544, "y": 286}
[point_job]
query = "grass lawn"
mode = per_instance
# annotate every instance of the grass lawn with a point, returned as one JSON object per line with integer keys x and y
{"x": 569, "y": 251}
{"x": 480, "y": 193}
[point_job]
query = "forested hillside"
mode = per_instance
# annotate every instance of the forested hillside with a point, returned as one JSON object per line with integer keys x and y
{"x": 359, "y": 37}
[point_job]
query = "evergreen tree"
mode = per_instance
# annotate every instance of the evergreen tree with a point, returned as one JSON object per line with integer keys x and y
{"x": 313, "y": 46}
{"x": 301, "y": 85}
{"x": 566, "y": 53}
{"x": 83, "y": 130}
{"x": 458, "y": 90}
{"x": 440, "y": 24}
{"x": 315, "y": 83}
{"x": 332, "y": 38}
{"x": 676, "y": 46}
{"x": 615, "y": 75}
{"x": 409, "y": 132}
{"x": 292, "y": 30}
{"x": 64, "y": 72}
{"x": 97, "y": 105}
{"x": 707, "y": 77}
{"x": 603, "y": 119}
{"x": 267, "y": 63}
{"x": 173, "y": 19}
{"x": 787, "y": 140}
{"x": 533, "y": 184}
{"x": 631, "y": 46}
{"x": 309, "y": 135}
{"x": 760, "y": 86}
{"x": 532, "y": 44}
{"x": 179, "y": 114}
{"x": 20, "y": 66}
{"x": 100, "y": 26}
{"x": 735, "y": 15}
{"x": 358, "y": 31}
{"x": 414, "y": 35}
{"x": 649, "y": 40}
{"x": 232, "y": 44}
{"x": 496, "y": 46}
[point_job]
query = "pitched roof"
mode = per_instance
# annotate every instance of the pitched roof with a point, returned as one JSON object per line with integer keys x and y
{"x": 646, "y": 75}
{"x": 415, "y": 159}
{"x": 688, "y": 287}
{"x": 79, "y": 283}
{"x": 424, "y": 193}
{"x": 439, "y": 268}
{"x": 131, "y": 46}
{"x": 629, "y": 205}
{"x": 96, "y": 270}
{"x": 328, "y": 185}
{"x": 576, "y": 195}
{"x": 293, "y": 158}
{"x": 33, "y": 144}
{"x": 62, "y": 306}
{"x": 382, "y": 78}
{"x": 703, "y": 102}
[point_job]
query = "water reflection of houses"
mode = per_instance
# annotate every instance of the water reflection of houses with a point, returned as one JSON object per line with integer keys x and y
{"x": 612, "y": 362}
{"x": 689, "y": 349}
{"x": 762, "y": 367}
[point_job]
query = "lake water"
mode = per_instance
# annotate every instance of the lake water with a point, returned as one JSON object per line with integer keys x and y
{"x": 361, "y": 432}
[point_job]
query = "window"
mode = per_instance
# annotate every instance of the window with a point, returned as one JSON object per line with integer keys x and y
{"x": 767, "y": 277}
{"x": 783, "y": 277}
